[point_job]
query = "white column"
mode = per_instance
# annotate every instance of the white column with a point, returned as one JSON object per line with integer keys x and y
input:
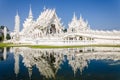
{"x": 16, "y": 65}
{"x": 4, "y": 53}
{"x": 5, "y": 33}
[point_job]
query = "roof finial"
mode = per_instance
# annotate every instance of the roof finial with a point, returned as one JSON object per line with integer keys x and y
{"x": 30, "y": 12}
{"x": 80, "y": 17}
{"x": 74, "y": 16}
{"x": 44, "y": 8}
{"x": 16, "y": 12}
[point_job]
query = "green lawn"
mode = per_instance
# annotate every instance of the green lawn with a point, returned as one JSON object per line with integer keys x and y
{"x": 4, "y": 44}
{"x": 47, "y": 46}
{"x": 12, "y": 45}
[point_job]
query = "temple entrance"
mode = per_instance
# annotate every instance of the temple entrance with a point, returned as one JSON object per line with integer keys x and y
{"x": 52, "y": 29}
{"x": 81, "y": 38}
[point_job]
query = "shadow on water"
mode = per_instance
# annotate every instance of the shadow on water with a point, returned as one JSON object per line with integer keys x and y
{"x": 88, "y": 63}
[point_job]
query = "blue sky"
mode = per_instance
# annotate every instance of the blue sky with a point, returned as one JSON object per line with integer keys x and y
{"x": 101, "y": 14}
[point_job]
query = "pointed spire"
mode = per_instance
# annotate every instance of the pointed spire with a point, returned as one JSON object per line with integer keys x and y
{"x": 30, "y": 12}
{"x": 86, "y": 22}
{"x": 17, "y": 13}
{"x": 54, "y": 11}
{"x": 74, "y": 16}
{"x": 44, "y": 8}
{"x": 17, "y": 23}
{"x": 30, "y": 72}
{"x": 81, "y": 17}
{"x": 89, "y": 27}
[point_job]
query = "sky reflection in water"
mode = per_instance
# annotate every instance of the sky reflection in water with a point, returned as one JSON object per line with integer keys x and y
{"x": 90, "y": 63}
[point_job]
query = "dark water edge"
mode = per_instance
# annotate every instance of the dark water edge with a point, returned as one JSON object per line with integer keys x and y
{"x": 59, "y": 64}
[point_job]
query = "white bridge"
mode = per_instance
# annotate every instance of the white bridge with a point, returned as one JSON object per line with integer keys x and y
{"x": 81, "y": 38}
{"x": 95, "y": 35}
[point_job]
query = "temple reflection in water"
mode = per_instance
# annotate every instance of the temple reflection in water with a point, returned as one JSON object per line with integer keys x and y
{"x": 49, "y": 61}
{"x": 3, "y": 53}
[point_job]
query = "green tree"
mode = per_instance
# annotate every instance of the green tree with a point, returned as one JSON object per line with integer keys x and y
{"x": 1, "y": 37}
{"x": 2, "y": 33}
{"x": 65, "y": 30}
{"x": 8, "y": 36}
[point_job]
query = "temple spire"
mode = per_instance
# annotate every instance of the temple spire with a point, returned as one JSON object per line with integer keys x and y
{"x": 81, "y": 17}
{"x": 74, "y": 16}
{"x": 44, "y": 8}
{"x": 30, "y": 12}
{"x": 17, "y": 23}
{"x": 17, "y": 13}
{"x": 30, "y": 72}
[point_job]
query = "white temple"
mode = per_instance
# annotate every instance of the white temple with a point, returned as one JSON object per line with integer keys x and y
{"x": 47, "y": 29}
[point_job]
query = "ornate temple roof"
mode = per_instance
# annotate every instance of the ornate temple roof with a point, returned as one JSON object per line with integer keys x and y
{"x": 78, "y": 24}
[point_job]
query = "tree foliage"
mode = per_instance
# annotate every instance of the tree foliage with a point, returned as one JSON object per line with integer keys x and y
{"x": 65, "y": 30}
{"x": 2, "y": 33}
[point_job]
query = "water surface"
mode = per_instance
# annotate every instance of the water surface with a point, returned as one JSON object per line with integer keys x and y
{"x": 89, "y": 63}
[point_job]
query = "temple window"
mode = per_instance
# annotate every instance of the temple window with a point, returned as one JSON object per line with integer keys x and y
{"x": 52, "y": 29}
{"x": 81, "y": 38}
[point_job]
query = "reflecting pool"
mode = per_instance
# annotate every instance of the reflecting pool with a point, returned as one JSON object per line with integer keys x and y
{"x": 87, "y": 63}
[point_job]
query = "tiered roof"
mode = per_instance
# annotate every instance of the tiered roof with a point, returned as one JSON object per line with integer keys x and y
{"x": 77, "y": 25}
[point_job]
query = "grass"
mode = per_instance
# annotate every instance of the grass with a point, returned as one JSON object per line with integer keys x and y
{"x": 74, "y": 46}
{"x": 4, "y": 44}
{"x": 12, "y": 45}
{"x": 48, "y": 46}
